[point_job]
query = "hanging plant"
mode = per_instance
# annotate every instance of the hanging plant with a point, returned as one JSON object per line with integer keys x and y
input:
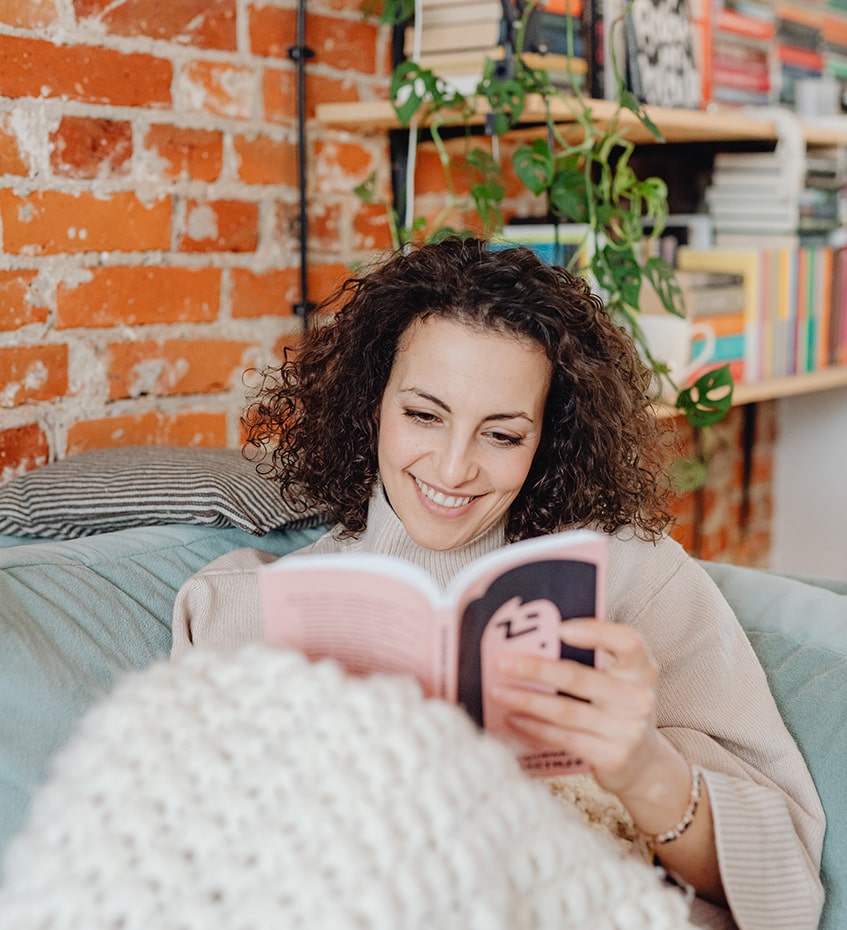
{"x": 589, "y": 181}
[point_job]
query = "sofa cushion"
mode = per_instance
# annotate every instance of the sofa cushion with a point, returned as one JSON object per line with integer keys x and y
{"x": 799, "y": 632}
{"x": 75, "y": 615}
{"x": 111, "y": 489}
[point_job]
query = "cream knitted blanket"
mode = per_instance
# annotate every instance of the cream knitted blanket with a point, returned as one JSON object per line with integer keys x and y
{"x": 255, "y": 791}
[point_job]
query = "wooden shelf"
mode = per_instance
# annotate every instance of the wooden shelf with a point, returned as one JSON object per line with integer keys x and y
{"x": 790, "y": 386}
{"x": 776, "y": 388}
{"x": 676, "y": 125}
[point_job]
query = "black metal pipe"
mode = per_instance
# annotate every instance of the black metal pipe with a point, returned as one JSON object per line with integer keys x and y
{"x": 300, "y": 54}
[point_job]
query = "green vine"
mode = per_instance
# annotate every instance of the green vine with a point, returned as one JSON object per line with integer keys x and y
{"x": 588, "y": 182}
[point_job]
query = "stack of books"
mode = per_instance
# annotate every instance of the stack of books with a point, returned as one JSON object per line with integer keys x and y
{"x": 795, "y": 308}
{"x": 739, "y": 49}
{"x": 834, "y": 44}
{"x": 754, "y": 194}
{"x": 798, "y": 46}
{"x": 455, "y": 40}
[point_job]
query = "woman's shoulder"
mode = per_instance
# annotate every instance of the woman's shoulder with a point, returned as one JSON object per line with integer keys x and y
{"x": 654, "y": 574}
{"x": 632, "y": 556}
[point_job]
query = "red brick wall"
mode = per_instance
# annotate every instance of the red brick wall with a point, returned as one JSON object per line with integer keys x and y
{"x": 149, "y": 224}
{"x": 729, "y": 519}
{"x": 149, "y": 247}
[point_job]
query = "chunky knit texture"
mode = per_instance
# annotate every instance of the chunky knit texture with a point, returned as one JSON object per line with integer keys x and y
{"x": 248, "y": 790}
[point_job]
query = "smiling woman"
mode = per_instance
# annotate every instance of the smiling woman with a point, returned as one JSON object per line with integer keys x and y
{"x": 459, "y": 426}
{"x": 462, "y": 398}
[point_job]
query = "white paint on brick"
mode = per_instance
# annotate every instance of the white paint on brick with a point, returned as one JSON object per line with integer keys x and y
{"x": 145, "y": 377}
{"x": 202, "y": 223}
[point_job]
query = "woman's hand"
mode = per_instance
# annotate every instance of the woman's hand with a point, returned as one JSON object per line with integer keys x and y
{"x": 607, "y": 717}
{"x": 606, "y": 714}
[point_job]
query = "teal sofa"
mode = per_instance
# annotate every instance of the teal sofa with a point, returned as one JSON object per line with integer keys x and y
{"x": 74, "y": 614}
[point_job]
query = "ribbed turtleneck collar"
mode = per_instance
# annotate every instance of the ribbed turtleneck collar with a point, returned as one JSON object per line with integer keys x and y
{"x": 386, "y": 534}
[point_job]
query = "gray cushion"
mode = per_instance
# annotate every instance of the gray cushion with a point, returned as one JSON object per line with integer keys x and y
{"x": 112, "y": 489}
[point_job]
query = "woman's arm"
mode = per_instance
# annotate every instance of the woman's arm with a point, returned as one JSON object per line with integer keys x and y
{"x": 759, "y": 820}
{"x": 607, "y": 717}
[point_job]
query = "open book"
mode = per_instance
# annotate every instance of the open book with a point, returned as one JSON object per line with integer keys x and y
{"x": 376, "y": 613}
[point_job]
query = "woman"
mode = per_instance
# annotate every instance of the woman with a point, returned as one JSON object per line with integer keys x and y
{"x": 462, "y": 398}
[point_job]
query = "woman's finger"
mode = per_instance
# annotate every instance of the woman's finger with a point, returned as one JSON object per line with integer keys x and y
{"x": 614, "y": 716}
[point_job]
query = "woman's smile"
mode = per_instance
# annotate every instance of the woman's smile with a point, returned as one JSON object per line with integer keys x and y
{"x": 441, "y": 499}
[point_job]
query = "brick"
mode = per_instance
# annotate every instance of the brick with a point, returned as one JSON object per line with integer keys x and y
{"x": 337, "y": 161}
{"x": 176, "y": 366}
{"x": 192, "y": 154}
{"x": 18, "y": 306}
{"x": 12, "y": 159}
{"x": 50, "y": 222}
{"x": 218, "y": 88}
{"x": 220, "y": 226}
{"x": 148, "y": 429}
{"x": 37, "y": 68}
{"x": 325, "y": 278}
{"x": 270, "y": 293}
{"x": 346, "y": 44}
{"x": 83, "y": 147}
{"x": 28, "y": 14}
{"x": 273, "y": 30}
{"x": 279, "y": 90}
{"x": 263, "y": 160}
{"x": 22, "y": 449}
{"x": 33, "y": 373}
{"x": 201, "y": 23}
{"x": 325, "y": 225}
{"x": 371, "y": 228}
{"x": 136, "y": 296}
{"x": 429, "y": 173}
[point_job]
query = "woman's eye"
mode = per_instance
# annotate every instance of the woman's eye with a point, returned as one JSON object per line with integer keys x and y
{"x": 506, "y": 439}
{"x": 420, "y": 416}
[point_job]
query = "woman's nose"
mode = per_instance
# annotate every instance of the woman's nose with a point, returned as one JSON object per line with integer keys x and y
{"x": 457, "y": 464}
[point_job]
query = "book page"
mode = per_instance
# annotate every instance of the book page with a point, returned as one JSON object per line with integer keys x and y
{"x": 367, "y": 622}
{"x": 520, "y": 608}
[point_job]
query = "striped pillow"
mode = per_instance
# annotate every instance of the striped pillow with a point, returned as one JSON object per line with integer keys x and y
{"x": 112, "y": 489}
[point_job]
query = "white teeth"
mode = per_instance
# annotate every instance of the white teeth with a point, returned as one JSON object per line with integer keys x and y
{"x": 442, "y": 499}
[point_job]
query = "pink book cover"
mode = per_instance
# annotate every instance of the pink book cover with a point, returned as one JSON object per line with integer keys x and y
{"x": 379, "y": 614}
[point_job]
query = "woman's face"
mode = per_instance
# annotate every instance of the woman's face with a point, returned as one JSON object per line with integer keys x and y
{"x": 460, "y": 422}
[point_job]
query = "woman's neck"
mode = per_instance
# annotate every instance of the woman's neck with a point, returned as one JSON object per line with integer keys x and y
{"x": 386, "y": 534}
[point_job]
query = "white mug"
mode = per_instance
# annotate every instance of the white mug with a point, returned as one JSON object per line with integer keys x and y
{"x": 670, "y": 339}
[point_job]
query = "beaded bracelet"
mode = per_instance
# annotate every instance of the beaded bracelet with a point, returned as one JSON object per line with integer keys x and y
{"x": 675, "y": 832}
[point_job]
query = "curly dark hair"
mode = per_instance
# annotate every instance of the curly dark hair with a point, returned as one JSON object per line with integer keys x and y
{"x": 600, "y": 463}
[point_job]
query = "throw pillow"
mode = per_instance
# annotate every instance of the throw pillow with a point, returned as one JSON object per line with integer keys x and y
{"x": 112, "y": 489}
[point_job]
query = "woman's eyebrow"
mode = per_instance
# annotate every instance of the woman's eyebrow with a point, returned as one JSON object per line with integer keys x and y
{"x": 427, "y": 396}
{"x": 516, "y": 415}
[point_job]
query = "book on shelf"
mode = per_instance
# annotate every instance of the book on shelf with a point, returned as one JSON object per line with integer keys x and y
{"x": 743, "y": 262}
{"x": 734, "y": 22}
{"x": 451, "y": 38}
{"x": 794, "y": 317}
{"x": 379, "y": 614}
{"x": 562, "y": 244}
{"x": 661, "y": 61}
{"x": 436, "y": 14}
{"x": 556, "y": 33}
{"x": 706, "y": 295}
{"x": 463, "y": 68}
{"x": 763, "y": 224}
{"x": 768, "y": 240}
